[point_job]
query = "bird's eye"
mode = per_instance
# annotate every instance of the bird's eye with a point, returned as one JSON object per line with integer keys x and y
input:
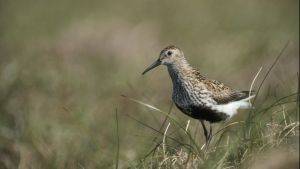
{"x": 169, "y": 53}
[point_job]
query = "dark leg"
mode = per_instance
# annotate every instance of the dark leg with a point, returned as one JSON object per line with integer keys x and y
{"x": 205, "y": 131}
{"x": 210, "y": 133}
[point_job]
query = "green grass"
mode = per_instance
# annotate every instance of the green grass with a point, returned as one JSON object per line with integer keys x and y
{"x": 235, "y": 145}
{"x": 64, "y": 65}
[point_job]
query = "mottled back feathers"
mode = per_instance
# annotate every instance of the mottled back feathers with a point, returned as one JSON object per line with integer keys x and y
{"x": 221, "y": 93}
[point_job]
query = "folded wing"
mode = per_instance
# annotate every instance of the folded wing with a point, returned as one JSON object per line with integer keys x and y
{"x": 221, "y": 93}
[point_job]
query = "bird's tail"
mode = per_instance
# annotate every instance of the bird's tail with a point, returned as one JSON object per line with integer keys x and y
{"x": 249, "y": 93}
{"x": 246, "y": 103}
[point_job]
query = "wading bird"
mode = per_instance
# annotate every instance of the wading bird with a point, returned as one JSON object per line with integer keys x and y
{"x": 197, "y": 96}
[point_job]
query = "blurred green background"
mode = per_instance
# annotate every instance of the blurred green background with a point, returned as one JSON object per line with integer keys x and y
{"x": 64, "y": 65}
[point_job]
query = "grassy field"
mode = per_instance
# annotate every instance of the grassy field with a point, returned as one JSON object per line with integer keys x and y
{"x": 65, "y": 67}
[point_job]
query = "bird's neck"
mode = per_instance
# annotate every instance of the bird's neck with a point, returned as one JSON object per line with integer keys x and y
{"x": 179, "y": 71}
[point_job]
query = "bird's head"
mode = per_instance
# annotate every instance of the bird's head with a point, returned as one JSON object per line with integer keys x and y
{"x": 168, "y": 56}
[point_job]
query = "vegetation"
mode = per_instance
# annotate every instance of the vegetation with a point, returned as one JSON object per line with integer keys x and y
{"x": 72, "y": 94}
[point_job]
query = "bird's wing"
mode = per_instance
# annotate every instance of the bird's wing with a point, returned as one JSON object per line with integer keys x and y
{"x": 221, "y": 93}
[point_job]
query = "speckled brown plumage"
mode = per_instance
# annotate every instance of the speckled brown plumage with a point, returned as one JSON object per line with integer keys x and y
{"x": 221, "y": 93}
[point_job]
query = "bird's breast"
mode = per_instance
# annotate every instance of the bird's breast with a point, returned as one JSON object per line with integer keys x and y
{"x": 186, "y": 94}
{"x": 181, "y": 95}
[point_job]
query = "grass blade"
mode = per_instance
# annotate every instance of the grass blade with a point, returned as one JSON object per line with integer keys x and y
{"x": 118, "y": 140}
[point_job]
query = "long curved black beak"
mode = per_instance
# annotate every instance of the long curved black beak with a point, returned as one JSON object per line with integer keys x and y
{"x": 152, "y": 66}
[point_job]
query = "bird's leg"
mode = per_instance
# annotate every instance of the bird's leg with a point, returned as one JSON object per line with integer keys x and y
{"x": 210, "y": 133}
{"x": 205, "y": 132}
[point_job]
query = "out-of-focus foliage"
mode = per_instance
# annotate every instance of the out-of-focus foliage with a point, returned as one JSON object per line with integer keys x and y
{"x": 64, "y": 65}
